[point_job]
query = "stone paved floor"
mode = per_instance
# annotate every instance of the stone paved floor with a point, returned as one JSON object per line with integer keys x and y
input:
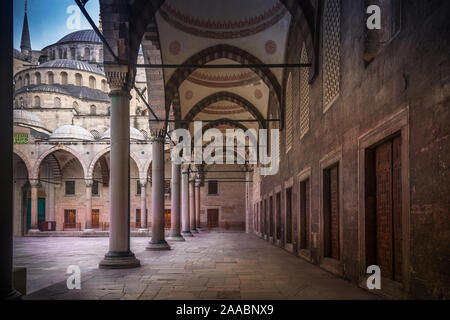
{"x": 209, "y": 266}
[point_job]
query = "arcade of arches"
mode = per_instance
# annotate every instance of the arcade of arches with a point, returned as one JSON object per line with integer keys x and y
{"x": 363, "y": 171}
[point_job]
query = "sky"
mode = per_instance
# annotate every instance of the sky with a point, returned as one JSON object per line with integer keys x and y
{"x": 47, "y": 20}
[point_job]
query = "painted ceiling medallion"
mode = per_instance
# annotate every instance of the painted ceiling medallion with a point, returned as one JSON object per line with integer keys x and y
{"x": 258, "y": 94}
{"x": 174, "y": 14}
{"x": 271, "y": 47}
{"x": 189, "y": 95}
{"x": 175, "y": 48}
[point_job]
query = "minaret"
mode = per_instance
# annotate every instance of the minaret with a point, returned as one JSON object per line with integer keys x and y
{"x": 25, "y": 44}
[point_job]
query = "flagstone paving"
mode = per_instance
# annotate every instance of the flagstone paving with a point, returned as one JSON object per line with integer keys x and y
{"x": 207, "y": 266}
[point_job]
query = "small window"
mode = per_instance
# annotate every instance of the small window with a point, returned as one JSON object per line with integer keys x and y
{"x": 78, "y": 80}
{"x": 87, "y": 54}
{"x": 95, "y": 188}
{"x": 70, "y": 188}
{"x": 50, "y": 78}
{"x": 64, "y": 78}
{"x": 167, "y": 187}
{"x": 73, "y": 53}
{"x": 27, "y": 80}
{"x": 57, "y": 103}
{"x": 92, "y": 83}
{"x": 37, "y": 101}
{"x": 37, "y": 78}
{"x": 104, "y": 86}
{"x": 138, "y": 187}
{"x": 93, "y": 110}
{"x": 213, "y": 187}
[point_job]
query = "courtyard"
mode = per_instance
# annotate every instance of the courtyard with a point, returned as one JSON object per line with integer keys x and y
{"x": 211, "y": 265}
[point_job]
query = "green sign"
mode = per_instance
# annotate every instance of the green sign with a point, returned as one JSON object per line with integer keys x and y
{"x": 20, "y": 138}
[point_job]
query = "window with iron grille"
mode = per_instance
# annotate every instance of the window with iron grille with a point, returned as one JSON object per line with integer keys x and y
{"x": 70, "y": 188}
{"x": 213, "y": 187}
{"x": 95, "y": 188}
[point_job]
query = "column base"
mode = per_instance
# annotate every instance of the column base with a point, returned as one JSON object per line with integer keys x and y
{"x": 158, "y": 245}
{"x": 13, "y": 295}
{"x": 186, "y": 234}
{"x": 119, "y": 260}
{"x": 194, "y": 231}
{"x": 175, "y": 238}
{"x": 34, "y": 231}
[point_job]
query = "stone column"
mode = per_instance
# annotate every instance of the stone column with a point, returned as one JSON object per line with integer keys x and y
{"x": 197, "y": 204}
{"x": 158, "y": 241}
{"x": 186, "y": 228}
{"x": 34, "y": 206}
{"x": 175, "y": 228}
{"x": 143, "y": 207}
{"x": 192, "y": 206}
{"x": 51, "y": 204}
{"x": 88, "y": 226}
{"x": 119, "y": 255}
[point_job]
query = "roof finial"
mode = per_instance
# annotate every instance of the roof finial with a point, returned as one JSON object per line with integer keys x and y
{"x": 100, "y": 25}
{"x": 26, "y": 6}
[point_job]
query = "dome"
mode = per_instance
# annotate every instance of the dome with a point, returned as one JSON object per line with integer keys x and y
{"x": 72, "y": 132}
{"x": 28, "y": 118}
{"x": 81, "y": 36}
{"x": 135, "y": 134}
{"x": 71, "y": 64}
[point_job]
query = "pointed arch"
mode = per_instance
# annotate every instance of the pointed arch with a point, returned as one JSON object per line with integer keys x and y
{"x": 226, "y": 96}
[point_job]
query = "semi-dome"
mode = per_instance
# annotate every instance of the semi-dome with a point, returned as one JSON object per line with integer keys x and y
{"x": 81, "y": 36}
{"x": 72, "y": 132}
{"x": 71, "y": 64}
{"x": 27, "y": 118}
{"x": 135, "y": 134}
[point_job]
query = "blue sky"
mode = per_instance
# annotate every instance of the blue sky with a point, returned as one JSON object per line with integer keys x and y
{"x": 48, "y": 20}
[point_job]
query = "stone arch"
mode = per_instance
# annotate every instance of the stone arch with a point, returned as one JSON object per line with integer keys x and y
{"x": 224, "y": 121}
{"x": 90, "y": 169}
{"x": 25, "y": 160}
{"x": 35, "y": 171}
{"x": 226, "y": 96}
{"x": 221, "y": 51}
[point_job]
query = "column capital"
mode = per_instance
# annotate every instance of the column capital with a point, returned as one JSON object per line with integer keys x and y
{"x": 118, "y": 77}
{"x": 157, "y": 134}
{"x": 89, "y": 182}
{"x": 34, "y": 183}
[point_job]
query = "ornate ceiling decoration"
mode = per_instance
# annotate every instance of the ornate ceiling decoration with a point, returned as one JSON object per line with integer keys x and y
{"x": 213, "y": 25}
{"x": 223, "y": 78}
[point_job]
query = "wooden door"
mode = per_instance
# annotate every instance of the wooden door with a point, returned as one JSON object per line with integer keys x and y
{"x": 334, "y": 210}
{"x": 167, "y": 219}
{"x": 213, "y": 218}
{"x": 304, "y": 215}
{"x": 289, "y": 215}
{"x": 138, "y": 218}
{"x": 70, "y": 219}
{"x": 95, "y": 218}
{"x": 388, "y": 209}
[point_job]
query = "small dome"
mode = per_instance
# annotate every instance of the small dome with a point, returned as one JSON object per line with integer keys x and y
{"x": 28, "y": 118}
{"x": 135, "y": 134}
{"x": 88, "y": 35}
{"x": 72, "y": 132}
{"x": 71, "y": 64}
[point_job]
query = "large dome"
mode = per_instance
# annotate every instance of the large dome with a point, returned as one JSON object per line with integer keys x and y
{"x": 71, "y": 64}
{"x": 135, "y": 134}
{"x": 81, "y": 36}
{"x": 27, "y": 118}
{"x": 72, "y": 132}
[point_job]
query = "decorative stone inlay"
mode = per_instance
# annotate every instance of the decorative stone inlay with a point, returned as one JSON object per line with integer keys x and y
{"x": 258, "y": 94}
{"x": 271, "y": 47}
{"x": 189, "y": 95}
{"x": 175, "y": 47}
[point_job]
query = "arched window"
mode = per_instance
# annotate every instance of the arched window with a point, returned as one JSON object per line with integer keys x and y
{"x": 331, "y": 52}
{"x": 64, "y": 78}
{"x": 19, "y": 83}
{"x": 289, "y": 113}
{"x": 50, "y": 78}
{"x": 93, "y": 110}
{"x": 75, "y": 107}
{"x": 21, "y": 103}
{"x": 92, "y": 82}
{"x": 37, "y": 102}
{"x": 96, "y": 134}
{"x": 109, "y": 111}
{"x": 104, "y": 86}
{"x": 37, "y": 78}
{"x": 73, "y": 53}
{"x": 305, "y": 98}
{"x": 87, "y": 54}
{"x": 60, "y": 53}
{"x": 78, "y": 80}
{"x": 27, "y": 80}
{"x": 57, "y": 103}
{"x": 16, "y": 104}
